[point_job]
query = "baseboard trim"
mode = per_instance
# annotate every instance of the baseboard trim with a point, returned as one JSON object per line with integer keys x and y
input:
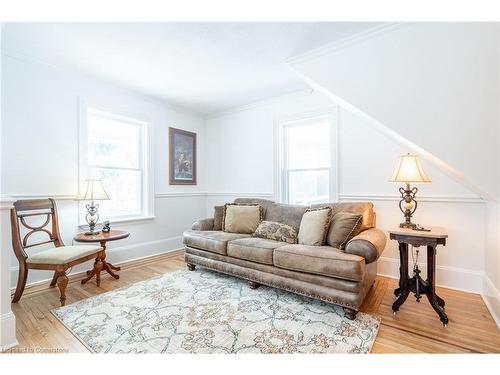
{"x": 446, "y": 277}
{"x": 491, "y": 298}
{"x": 7, "y": 331}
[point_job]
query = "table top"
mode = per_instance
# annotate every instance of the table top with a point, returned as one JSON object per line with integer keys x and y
{"x": 435, "y": 232}
{"x": 112, "y": 235}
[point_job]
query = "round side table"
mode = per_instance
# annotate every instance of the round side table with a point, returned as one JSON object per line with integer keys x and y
{"x": 100, "y": 263}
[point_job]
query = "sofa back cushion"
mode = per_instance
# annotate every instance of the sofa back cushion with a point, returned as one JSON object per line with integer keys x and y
{"x": 218, "y": 217}
{"x": 362, "y": 208}
{"x": 264, "y": 203}
{"x": 241, "y": 218}
{"x": 285, "y": 213}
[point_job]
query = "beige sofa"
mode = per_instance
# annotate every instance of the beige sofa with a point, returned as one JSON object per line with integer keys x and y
{"x": 341, "y": 277}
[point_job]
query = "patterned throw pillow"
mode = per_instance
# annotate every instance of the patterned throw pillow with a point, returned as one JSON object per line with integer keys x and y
{"x": 314, "y": 226}
{"x": 241, "y": 218}
{"x": 218, "y": 217}
{"x": 345, "y": 226}
{"x": 273, "y": 230}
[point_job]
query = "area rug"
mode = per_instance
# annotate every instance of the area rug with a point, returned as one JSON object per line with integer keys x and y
{"x": 207, "y": 312}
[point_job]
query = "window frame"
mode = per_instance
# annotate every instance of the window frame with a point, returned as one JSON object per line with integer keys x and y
{"x": 282, "y": 172}
{"x": 145, "y": 159}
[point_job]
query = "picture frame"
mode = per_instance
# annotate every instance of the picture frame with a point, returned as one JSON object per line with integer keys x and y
{"x": 182, "y": 157}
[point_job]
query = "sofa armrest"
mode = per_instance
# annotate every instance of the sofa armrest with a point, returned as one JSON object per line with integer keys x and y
{"x": 369, "y": 244}
{"x": 203, "y": 224}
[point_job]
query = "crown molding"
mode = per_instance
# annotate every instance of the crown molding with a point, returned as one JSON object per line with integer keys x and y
{"x": 347, "y": 41}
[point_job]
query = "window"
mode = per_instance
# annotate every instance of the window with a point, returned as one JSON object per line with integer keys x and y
{"x": 307, "y": 158}
{"x": 114, "y": 151}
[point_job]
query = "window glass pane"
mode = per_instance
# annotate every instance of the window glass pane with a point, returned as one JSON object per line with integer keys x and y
{"x": 309, "y": 146}
{"x": 308, "y": 187}
{"x": 113, "y": 143}
{"x": 124, "y": 189}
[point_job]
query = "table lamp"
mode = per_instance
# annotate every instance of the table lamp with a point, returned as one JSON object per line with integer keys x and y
{"x": 92, "y": 190}
{"x": 408, "y": 170}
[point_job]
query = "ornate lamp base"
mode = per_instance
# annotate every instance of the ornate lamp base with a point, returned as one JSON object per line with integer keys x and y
{"x": 408, "y": 225}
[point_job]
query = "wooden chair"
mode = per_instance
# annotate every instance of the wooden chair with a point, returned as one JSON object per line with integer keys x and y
{"x": 57, "y": 259}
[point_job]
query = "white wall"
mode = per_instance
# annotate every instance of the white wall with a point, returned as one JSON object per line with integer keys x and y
{"x": 240, "y": 155}
{"x": 40, "y": 154}
{"x": 7, "y": 318}
{"x": 433, "y": 84}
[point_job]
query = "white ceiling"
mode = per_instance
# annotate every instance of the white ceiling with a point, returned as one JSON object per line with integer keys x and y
{"x": 206, "y": 67}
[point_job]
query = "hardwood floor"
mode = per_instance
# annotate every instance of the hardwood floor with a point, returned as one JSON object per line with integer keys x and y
{"x": 415, "y": 329}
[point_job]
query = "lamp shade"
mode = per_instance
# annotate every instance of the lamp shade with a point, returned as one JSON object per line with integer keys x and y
{"x": 91, "y": 190}
{"x": 409, "y": 169}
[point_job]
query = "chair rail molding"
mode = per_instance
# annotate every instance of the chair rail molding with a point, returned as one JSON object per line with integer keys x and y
{"x": 388, "y": 197}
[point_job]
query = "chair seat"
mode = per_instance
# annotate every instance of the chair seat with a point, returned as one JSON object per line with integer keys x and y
{"x": 320, "y": 260}
{"x": 210, "y": 240}
{"x": 63, "y": 254}
{"x": 258, "y": 250}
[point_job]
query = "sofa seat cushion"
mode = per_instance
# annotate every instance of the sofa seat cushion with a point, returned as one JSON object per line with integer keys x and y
{"x": 320, "y": 260}
{"x": 258, "y": 250}
{"x": 210, "y": 240}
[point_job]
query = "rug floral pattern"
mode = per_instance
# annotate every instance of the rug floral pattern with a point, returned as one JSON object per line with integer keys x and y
{"x": 207, "y": 312}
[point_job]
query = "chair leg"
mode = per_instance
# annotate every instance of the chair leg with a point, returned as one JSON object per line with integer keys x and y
{"x": 54, "y": 279}
{"x": 21, "y": 282}
{"x": 62, "y": 283}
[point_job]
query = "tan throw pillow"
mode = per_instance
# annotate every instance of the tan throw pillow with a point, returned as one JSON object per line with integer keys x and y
{"x": 345, "y": 226}
{"x": 218, "y": 217}
{"x": 314, "y": 226}
{"x": 273, "y": 230}
{"x": 241, "y": 218}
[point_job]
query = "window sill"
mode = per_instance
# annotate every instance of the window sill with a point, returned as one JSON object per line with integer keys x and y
{"x": 120, "y": 222}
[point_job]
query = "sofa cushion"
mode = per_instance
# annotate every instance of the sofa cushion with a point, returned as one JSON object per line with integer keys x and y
{"x": 210, "y": 240}
{"x": 241, "y": 218}
{"x": 285, "y": 213}
{"x": 218, "y": 217}
{"x": 320, "y": 260}
{"x": 345, "y": 226}
{"x": 264, "y": 203}
{"x": 273, "y": 230}
{"x": 362, "y": 208}
{"x": 314, "y": 226}
{"x": 258, "y": 250}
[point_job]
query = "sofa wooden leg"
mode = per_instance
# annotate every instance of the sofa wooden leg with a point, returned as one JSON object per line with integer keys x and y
{"x": 191, "y": 267}
{"x": 253, "y": 284}
{"x": 349, "y": 313}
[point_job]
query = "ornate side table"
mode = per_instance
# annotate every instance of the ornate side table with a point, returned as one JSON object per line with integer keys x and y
{"x": 416, "y": 284}
{"x": 100, "y": 263}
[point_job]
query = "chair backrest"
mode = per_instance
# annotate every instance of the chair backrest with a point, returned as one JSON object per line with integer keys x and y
{"x": 29, "y": 208}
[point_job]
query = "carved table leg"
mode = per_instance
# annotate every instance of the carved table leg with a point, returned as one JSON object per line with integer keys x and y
{"x": 431, "y": 292}
{"x": 108, "y": 267}
{"x": 404, "y": 289}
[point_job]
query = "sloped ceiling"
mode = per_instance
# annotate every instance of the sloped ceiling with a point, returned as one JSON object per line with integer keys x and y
{"x": 433, "y": 87}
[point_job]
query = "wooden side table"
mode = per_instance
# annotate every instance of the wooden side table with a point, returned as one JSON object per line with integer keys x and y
{"x": 416, "y": 284}
{"x": 100, "y": 262}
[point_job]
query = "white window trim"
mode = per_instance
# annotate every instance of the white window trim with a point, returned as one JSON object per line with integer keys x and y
{"x": 329, "y": 114}
{"x": 146, "y": 154}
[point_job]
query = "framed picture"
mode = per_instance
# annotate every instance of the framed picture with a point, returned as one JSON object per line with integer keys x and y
{"x": 182, "y": 157}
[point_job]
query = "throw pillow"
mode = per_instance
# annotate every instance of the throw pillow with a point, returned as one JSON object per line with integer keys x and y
{"x": 218, "y": 217}
{"x": 314, "y": 226}
{"x": 273, "y": 230}
{"x": 345, "y": 225}
{"x": 241, "y": 218}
